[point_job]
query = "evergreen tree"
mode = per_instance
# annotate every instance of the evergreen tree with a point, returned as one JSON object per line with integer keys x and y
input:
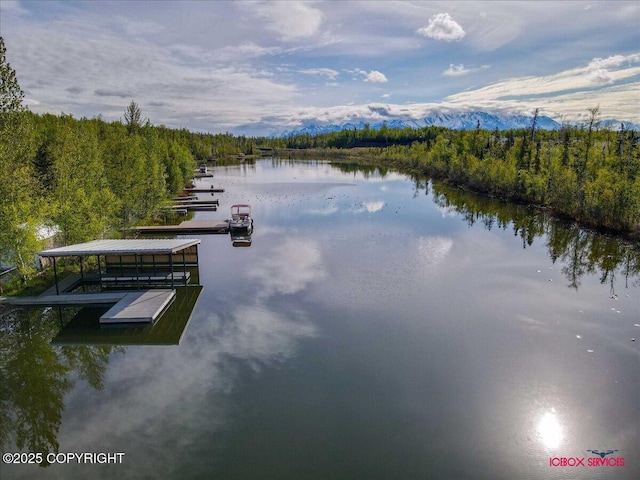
{"x": 11, "y": 94}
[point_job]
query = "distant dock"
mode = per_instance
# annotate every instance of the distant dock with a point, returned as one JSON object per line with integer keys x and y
{"x": 191, "y": 201}
{"x": 187, "y": 227}
{"x": 191, "y": 207}
{"x": 203, "y": 190}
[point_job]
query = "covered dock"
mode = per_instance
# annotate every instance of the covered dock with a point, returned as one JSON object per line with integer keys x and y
{"x": 140, "y": 261}
{"x": 148, "y": 267}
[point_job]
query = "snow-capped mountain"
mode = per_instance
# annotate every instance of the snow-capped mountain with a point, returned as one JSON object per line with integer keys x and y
{"x": 488, "y": 121}
{"x": 454, "y": 121}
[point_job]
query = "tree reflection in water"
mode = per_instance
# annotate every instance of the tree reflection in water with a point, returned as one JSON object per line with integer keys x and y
{"x": 581, "y": 251}
{"x": 35, "y": 376}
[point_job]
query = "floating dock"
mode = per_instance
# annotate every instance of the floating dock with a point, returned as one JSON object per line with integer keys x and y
{"x": 187, "y": 227}
{"x": 139, "y": 307}
{"x": 85, "y": 328}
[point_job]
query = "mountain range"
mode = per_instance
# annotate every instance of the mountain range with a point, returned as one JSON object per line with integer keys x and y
{"x": 454, "y": 121}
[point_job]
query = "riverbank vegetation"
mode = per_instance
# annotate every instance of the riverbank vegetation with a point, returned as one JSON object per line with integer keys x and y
{"x": 579, "y": 172}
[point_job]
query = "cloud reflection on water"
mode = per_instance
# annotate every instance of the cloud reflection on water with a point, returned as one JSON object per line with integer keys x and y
{"x": 324, "y": 211}
{"x": 372, "y": 207}
{"x": 179, "y": 385}
{"x": 289, "y": 267}
{"x": 433, "y": 250}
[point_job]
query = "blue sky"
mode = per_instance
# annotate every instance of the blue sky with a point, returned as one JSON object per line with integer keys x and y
{"x": 261, "y": 67}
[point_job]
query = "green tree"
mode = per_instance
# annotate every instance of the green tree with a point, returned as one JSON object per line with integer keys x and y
{"x": 133, "y": 118}
{"x": 11, "y": 94}
{"x": 83, "y": 205}
{"x": 19, "y": 209}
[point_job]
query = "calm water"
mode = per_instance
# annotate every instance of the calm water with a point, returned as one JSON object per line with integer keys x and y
{"x": 377, "y": 328}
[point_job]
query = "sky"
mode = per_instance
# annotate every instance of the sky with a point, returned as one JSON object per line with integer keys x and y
{"x": 263, "y": 67}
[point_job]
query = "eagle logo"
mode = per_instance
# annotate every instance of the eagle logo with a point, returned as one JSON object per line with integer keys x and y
{"x": 602, "y": 454}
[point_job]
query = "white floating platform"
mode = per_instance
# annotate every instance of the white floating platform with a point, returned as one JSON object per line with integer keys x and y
{"x": 139, "y": 307}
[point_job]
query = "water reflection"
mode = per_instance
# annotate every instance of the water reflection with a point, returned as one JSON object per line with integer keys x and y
{"x": 549, "y": 430}
{"x": 372, "y": 207}
{"x": 433, "y": 250}
{"x": 582, "y": 252}
{"x": 289, "y": 267}
{"x": 437, "y": 348}
{"x": 85, "y": 329}
{"x": 240, "y": 239}
{"x": 36, "y": 376}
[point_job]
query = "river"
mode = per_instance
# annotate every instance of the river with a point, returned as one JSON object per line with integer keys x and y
{"x": 378, "y": 327}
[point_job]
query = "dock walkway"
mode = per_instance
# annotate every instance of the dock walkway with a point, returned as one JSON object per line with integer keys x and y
{"x": 188, "y": 227}
{"x": 204, "y": 190}
{"x": 68, "y": 299}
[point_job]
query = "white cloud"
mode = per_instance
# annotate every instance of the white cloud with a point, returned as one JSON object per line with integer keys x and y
{"x": 375, "y": 77}
{"x": 325, "y": 72}
{"x": 12, "y": 6}
{"x": 597, "y": 68}
{"x": 613, "y": 61}
{"x": 455, "y": 70}
{"x": 601, "y": 76}
{"x": 557, "y": 84}
{"x": 442, "y": 27}
{"x": 241, "y": 52}
{"x": 204, "y": 89}
{"x": 460, "y": 70}
{"x": 291, "y": 20}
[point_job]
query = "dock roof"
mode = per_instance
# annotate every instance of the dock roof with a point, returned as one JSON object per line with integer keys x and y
{"x": 122, "y": 247}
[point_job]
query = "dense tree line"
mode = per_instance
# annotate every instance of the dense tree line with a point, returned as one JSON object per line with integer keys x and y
{"x": 581, "y": 172}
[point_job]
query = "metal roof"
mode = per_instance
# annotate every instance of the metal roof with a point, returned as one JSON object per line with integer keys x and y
{"x": 122, "y": 247}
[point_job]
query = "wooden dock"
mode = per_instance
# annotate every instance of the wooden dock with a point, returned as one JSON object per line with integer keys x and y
{"x": 204, "y": 190}
{"x": 187, "y": 227}
{"x": 128, "y": 307}
{"x": 191, "y": 207}
{"x": 66, "y": 300}
{"x": 193, "y": 201}
{"x": 139, "y": 307}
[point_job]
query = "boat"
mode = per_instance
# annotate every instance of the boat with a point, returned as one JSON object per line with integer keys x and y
{"x": 203, "y": 168}
{"x": 241, "y": 218}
